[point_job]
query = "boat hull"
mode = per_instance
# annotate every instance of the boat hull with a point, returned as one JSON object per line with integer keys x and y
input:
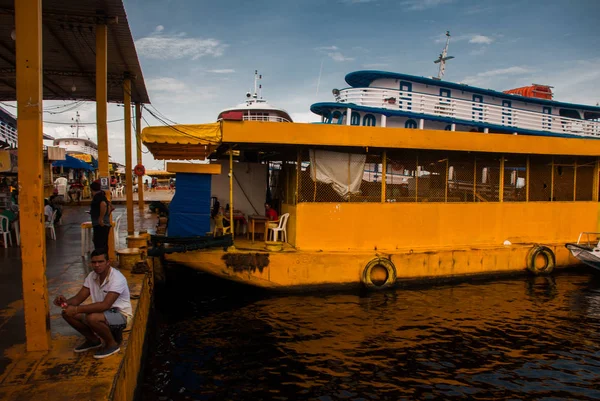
{"x": 305, "y": 269}
{"x": 586, "y": 255}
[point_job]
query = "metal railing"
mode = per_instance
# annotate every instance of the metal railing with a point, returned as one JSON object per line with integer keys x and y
{"x": 272, "y": 119}
{"x": 468, "y": 111}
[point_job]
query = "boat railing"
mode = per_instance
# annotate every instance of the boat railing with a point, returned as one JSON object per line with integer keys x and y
{"x": 590, "y": 243}
{"x": 272, "y": 119}
{"x": 460, "y": 109}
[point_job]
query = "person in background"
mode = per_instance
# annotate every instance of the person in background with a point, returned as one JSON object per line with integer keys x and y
{"x": 75, "y": 190}
{"x": 100, "y": 211}
{"x": 146, "y": 184}
{"x": 103, "y": 320}
{"x": 56, "y": 201}
{"x": 270, "y": 212}
{"x": 47, "y": 210}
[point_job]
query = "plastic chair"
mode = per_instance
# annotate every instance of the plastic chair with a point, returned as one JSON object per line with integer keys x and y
{"x": 50, "y": 225}
{"x": 117, "y": 224}
{"x": 120, "y": 191}
{"x": 281, "y": 228}
{"x": 5, "y": 230}
{"x": 86, "y": 237}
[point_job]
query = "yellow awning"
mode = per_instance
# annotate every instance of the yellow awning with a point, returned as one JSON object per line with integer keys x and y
{"x": 182, "y": 142}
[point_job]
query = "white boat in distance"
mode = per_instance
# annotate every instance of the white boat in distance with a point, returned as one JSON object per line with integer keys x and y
{"x": 255, "y": 108}
{"x": 395, "y": 100}
{"x": 587, "y": 249}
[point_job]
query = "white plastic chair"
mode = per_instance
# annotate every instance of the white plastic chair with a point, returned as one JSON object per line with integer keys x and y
{"x": 120, "y": 191}
{"x": 116, "y": 225}
{"x": 4, "y": 222}
{"x": 281, "y": 228}
{"x": 50, "y": 225}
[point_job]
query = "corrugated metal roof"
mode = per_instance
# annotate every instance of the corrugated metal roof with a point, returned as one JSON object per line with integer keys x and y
{"x": 69, "y": 60}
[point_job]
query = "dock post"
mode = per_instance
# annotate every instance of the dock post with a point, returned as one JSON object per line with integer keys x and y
{"x": 128, "y": 155}
{"x": 138, "y": 138}
{"x": 101, "y": 113}
{"x": 28, "y": 29}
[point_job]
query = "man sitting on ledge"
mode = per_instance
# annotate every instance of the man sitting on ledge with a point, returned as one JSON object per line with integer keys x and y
{"x": 104, "y": 319}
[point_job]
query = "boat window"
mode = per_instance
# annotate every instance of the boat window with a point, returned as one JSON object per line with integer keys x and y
{"x": 355, "y": 118}
{"x": 410, "y": 124}
{"x": 337, "y": 117}
{"x": 66, "y": 142}
{"x": 369, "y": 120}
{"x": 589, "y": 115}
{"x": 75, "y": 142}
{"x": 569, "y": 113}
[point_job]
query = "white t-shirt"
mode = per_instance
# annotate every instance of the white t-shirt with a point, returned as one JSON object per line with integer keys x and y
{"x": 48, "y": 212}
{"x": 114, "y": 282}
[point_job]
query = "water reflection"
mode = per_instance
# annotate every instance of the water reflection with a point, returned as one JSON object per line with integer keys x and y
{"x": 531, "y": 337}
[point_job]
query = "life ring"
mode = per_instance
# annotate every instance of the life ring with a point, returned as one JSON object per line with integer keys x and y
{"x": 139, "y": 170}
{"x": 379, "y": 274}
{"x": 541, "y": 260}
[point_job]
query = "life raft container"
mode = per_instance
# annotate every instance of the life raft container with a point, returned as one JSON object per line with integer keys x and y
{"x": 379, "y": 274}
{"x": 139, "y": 170}
{"x": 541, "y": 260}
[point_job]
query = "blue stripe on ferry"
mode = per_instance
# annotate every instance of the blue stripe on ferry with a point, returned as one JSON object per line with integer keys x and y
{"x": 361, "y": 79}
{"x": 320, "y": 108}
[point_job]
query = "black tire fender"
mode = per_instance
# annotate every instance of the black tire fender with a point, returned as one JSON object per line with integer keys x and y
{"x": 379, "y": 262}
{"x": 533, "y": 255}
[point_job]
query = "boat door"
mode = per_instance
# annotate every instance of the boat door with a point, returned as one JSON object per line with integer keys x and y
{"x": 405, "y": 102}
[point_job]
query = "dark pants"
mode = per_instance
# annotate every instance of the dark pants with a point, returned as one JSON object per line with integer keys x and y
{"x": 101, "y": 237}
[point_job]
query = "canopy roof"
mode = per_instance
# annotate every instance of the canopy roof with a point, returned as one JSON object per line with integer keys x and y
{"x": 182, "y": 142}
{"x": 72, "y": 162}
{"x": 159, "y": 173}
{"x": 69, "y": 59}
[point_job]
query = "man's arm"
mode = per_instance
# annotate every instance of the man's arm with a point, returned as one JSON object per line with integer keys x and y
{"x": 102, "y": 213}
{"x": 81, "y": 296}
{"x": 96, "y": 307}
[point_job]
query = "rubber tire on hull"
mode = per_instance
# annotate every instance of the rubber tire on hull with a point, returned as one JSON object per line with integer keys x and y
{"x": 387, "y": 265}
{"x": 547, "y": 253}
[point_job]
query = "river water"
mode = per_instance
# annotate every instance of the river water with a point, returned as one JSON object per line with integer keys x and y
{"x": 508, "y": 339}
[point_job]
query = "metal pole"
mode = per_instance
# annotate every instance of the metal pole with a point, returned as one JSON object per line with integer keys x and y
{"x": 28, "y": 22}
{"x": 128, "y": 155}
{"x": 298, "y": 171}
{"x": 501, "y": 183}
{"x": 552, "y": 181}
{"x": 138, "y": 136}
{"x": 383, "y": 176}
{"x": 231, "y": 190}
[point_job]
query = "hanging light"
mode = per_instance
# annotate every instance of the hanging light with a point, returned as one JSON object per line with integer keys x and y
{"x": 13, "y": 34}
{"x": 73, "y": 88}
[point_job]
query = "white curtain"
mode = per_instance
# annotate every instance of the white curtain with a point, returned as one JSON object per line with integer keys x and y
{"x": 344, "y": 171}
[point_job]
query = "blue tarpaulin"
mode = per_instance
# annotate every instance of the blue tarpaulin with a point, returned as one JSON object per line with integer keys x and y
{"x": 189, "y": 211}
{"x": 71, "y": 162}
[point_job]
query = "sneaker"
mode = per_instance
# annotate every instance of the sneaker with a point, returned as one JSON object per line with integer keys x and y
{"x": 106, "y": 351}
{"x": 87, "y": 345}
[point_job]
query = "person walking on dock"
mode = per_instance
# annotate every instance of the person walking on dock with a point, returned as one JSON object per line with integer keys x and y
{"x": 102, "y": 321}
{"x": 100, "y": 210}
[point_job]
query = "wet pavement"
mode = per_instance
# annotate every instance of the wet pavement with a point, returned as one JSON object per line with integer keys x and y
{"x": 27, "y": 375}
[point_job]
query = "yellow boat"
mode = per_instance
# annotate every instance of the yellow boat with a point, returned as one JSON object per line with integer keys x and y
{"x": 375, "y": 206}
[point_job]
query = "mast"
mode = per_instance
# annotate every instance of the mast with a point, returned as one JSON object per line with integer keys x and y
{"x": 76, "y": 125}
{"x": 443, "y": 58}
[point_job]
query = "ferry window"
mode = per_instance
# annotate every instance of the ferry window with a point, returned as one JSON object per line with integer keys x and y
{"x": 588, "y": 115}
{"x": 355, "y": 118}
{"x": 66, "y": 142}
{"x": 410, "y": 124}
{"x": 337, "y": 117}
{"x": 369, "y": 120}
{"x": 445, "y": 92}
{"x": 448, "y": 127}
{"x": 569, "y": 113}
{"x": 75, "y": 142}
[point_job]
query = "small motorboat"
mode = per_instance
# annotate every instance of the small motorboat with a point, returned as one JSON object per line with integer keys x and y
{"x": 587, "y": 249}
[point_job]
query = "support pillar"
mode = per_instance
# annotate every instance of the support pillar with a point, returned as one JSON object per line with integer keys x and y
{"x": 138, "y": 137}
{"x": 28, "y": 22}
{"x": 501, "y": 183}
{"x": 128, "y": 155}
{"x": 101, "y": 116}
{"x": 383, "y": 176}
{"x": 231, "y": 191}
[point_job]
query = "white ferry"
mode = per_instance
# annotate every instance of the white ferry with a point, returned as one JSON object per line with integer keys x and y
{"x": 76, "y": 145}
{"x": 389, "y": 99}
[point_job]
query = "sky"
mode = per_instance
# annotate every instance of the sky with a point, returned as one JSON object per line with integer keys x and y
{"x": 198, "y": 56}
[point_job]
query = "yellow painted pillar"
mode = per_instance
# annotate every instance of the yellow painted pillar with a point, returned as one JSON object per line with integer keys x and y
{"x": 383, "y": 176}
{"x": 128, "y": 155}
{"x": 28, "y": 21}
{"x": 138, "y": 137}
{"x": 552, "y": 181}
{"x": 231, "y": 190}
{"x": 101, "y": 115}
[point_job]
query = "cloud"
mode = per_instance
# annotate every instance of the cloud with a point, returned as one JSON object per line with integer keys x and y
{"x": 480, "y": 39}
{"x": 165, "y": 84}
{"x": 159, "y": 28}
{"x": 334, "y": 53}
{"x": 500, "y": 74}
{"x": 222, "y": 71}
{"x": 420, "y": 5}
{"x": 162, "y": 46}
{"x": 515, "y": 70}
{"x": 376, "y": 65}
{"x": 357, "y": 1}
